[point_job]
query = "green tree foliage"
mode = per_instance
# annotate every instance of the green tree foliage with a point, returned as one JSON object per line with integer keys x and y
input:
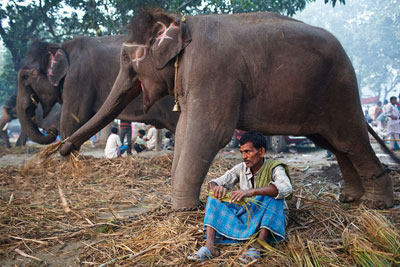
{"x": 22, "y": 21}
{"x": 369, "y": 31}
{"x": 7, "y": 76}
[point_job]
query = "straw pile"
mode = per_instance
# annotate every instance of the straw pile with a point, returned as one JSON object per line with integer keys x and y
{"x": 119, "y": 212}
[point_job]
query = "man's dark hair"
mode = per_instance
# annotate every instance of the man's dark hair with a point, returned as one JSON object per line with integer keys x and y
{"x": 254, "y": 137}
{"x": 114, "y": 130}
{"x": 142, "y": 132}
{"x": 168, "y": 134}
{"x": 393, "y": 97}
{"x": 385, "y": 101}
{"x": 379, "y": 103}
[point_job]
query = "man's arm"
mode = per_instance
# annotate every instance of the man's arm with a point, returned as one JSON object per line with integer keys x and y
{"x": 279, "y": 188}
{"x": 119, "y": 144}
{"x": 221, "y": 185}
{"x": 269, "y": 190}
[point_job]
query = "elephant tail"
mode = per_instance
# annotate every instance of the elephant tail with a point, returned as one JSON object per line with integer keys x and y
{"x": 383, "y": 145}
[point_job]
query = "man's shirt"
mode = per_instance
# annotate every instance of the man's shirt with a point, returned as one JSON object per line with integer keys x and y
{"x": 140, "y": 141}
{"x": 152, "y": 136}
{"x": 242, "y": 175}
{"x": 113, "y": 143}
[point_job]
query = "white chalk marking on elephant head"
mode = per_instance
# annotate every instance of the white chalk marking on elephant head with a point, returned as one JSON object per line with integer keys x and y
{"x": 52, "y": 62}
{"x": 164, "y": 31}
{"x": 140, "y": 53}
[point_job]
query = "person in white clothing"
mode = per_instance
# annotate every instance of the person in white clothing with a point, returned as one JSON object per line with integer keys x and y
{"x": 151, "y": 138}
{"x": 393, "y": 126}
{"x": 114, "y": 146}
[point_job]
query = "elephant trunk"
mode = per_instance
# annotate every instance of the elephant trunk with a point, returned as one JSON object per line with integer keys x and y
{"x": 5, "y": 119}
{"x": 121, "y": 94}
{"x": 26, "y": 107}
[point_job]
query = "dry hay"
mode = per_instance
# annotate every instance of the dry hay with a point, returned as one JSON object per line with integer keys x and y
{"x": 50, "y": 204}
{"x": 19, "y": 150}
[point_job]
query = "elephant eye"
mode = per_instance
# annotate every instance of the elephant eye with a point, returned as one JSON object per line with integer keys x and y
{"x": 125, "y": 57}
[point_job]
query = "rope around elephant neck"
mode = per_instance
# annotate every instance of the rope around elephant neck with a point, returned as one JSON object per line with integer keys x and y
{"x": 176, "y": 106}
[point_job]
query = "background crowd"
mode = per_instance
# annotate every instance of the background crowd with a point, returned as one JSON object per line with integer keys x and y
{"x": 385, "y": 118}
{"x": 132, "y": 138}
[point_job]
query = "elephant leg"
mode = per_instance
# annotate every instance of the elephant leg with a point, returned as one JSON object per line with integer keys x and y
{"x": 22, "y": 139}
{"x": 203, "y": 138}
{"x": 352, "y": 189}
{"x": 376, "y": 182}
{"x": 5, "y": 138}
{"x": 179, "y": 139}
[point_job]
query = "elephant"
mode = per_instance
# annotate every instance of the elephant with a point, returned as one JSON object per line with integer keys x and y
{"x": 9, "y": 113}
{"x": 253, "y": 71}
{"x": 78, "y": 74}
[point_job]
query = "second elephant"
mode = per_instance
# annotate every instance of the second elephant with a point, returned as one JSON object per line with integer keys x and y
{"x": 78, "y": 74}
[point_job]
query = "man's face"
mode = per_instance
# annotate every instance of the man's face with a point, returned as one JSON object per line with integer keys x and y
{"x": 251, "y": 155}
{"x": 393, "y": 101}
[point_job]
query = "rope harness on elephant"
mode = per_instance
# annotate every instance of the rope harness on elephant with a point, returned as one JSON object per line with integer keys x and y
{"x": 376, "y": 176}
{"x": 176, "y": 65}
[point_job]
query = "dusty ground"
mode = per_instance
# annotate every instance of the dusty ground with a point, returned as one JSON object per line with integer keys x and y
{"x": 59, "y": 239}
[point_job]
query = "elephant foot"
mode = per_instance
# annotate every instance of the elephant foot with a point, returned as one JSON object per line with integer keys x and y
{"x": 377, "y": 201}
{"x": 379, "y": 192}
{"x": 351, "y": 194}
{"x": 187, "y": 205}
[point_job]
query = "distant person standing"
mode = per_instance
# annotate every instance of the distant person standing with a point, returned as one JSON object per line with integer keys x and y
{"x": 151, "y": 138}
{"x": 393, "y": 126}
{"x": 114, "y": 146}
{"x": 378, "y": 110}
{"x": 126, "y": 130}
{"x": 381, "y": 120}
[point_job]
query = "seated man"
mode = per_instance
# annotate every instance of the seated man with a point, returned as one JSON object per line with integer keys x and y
{"x": 114, "y": 147}
{"x": 267, "y": 181}
{"x": 140, "y": 143}
{"x": 151, "y": 138}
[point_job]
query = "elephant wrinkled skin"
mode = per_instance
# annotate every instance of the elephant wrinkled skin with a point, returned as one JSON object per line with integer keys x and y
{"x": 78, "y": 74}
{"x": 255, "y": 71}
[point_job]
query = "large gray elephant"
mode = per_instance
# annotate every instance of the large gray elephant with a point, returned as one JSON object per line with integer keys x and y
{"x": 78, "y": 74}
{"x": 256, "y": 71}
{"x": 9, "y": 113}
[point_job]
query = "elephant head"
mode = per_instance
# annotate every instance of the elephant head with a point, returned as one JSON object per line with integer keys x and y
{"x": 40, "y": 81}
{"x": 146, "y": 65}
{"x": 149, "y": 52}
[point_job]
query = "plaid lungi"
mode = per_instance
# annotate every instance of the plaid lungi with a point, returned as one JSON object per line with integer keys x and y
{"x": 232, "y": 222}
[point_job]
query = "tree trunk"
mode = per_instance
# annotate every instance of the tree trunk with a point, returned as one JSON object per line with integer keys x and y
{"x": 158, "y": 143}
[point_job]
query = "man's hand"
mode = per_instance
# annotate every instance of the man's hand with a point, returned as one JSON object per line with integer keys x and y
{"x": 238, "y": 195}
{"x": 218, "y": 190}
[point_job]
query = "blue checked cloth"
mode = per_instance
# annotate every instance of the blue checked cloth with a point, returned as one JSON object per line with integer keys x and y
{"x": 233, "y": 224}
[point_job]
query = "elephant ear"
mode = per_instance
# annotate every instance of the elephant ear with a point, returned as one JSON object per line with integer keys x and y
{"x": 57, "y": 65}
{"x": 171, "y": 37}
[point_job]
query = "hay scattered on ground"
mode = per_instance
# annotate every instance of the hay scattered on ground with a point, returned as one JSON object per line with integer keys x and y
{"x": 120, "y": 212}
{"x": 19, "y": 150}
